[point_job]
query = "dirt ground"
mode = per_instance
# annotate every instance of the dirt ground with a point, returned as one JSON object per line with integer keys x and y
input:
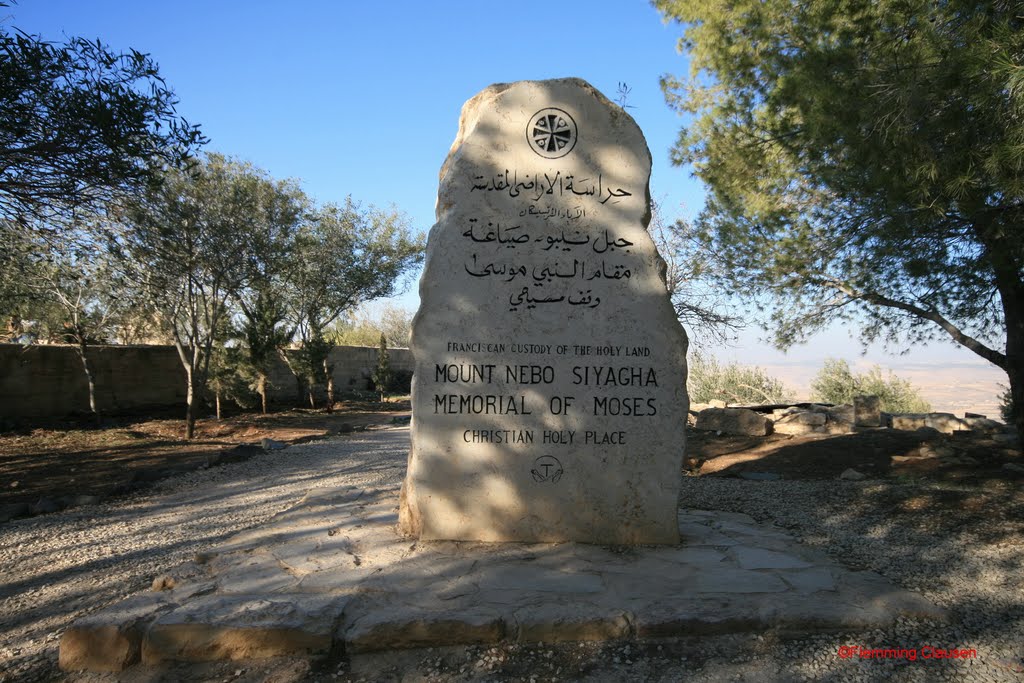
{"x": 966, "y": 457}
{"x": 64, "y": 461}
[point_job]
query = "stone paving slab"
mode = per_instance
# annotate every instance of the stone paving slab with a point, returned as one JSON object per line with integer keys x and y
{"x": 333, "y": 573}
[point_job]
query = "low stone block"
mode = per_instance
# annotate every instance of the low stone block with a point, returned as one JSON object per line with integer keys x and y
{"x": 736, "y": 421}
{"x": 867, "y": 411}
{"x": 983, "y": 425}
{"x": 403, "y": 627}
{"x": 804, "y": 422}
{"x": 243, "y": 627}
{"x": 110, "y": 640}
{"x": 669, "y": 620}
{"x": 555, "y": 623}
{"x": 946, "y": 423}
{"x": 841, "y": 413}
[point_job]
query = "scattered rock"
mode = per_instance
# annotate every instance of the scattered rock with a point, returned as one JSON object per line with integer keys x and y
{"x": 1013, "y": 467}
{"x": 693, "y": 464}
{"x": 164, "y": 582}
{"x": 738, "y": 421}
{"x": 936, "y": 451}
{"x": 271, "y": 445}
{"x": 851, "y": 474}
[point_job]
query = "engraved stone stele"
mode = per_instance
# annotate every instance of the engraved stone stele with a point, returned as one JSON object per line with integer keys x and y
{"x": 549, "y": 398}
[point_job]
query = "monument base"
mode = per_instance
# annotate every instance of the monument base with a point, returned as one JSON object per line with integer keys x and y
{"x": 332, "y": 574}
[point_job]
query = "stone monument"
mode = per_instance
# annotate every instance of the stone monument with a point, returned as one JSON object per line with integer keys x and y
{"x": 549, "y": 399}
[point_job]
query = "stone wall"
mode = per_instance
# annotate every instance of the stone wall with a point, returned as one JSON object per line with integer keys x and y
{"x": 47, "y": 381}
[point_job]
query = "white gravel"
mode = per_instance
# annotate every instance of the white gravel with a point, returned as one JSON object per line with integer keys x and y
{"x": 58, "y": 567}
{"x": 61, "y": 566}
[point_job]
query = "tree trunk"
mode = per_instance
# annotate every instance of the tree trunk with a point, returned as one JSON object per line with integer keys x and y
{"x": 329, "y": 374}
{"x": 89, "y": 380}
{"x": 190, "y": 416}
{"x": 297, "y": 375}
{"x": 1007, "y": 270}
{"x": 1016, "y": 376}
{"x": 261, "y": 389}
{"x": 312, "y": 398}
{"x": 217, "y": 401}
{"x": 1013, "y": 310}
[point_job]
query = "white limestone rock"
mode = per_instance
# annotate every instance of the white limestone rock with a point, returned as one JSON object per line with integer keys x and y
{"x": 549, "y": 398}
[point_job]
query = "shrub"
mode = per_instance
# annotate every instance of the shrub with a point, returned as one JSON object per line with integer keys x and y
{"x": 734, "y": 383}
{"x": 401, "y": 382}
{"x": 382, "y": 374}
{"x": 1006, "y": 405}
{"x": 836, "y": 383}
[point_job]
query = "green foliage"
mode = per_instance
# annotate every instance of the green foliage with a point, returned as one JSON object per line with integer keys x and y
{"x": 382, "y": 374}
{"x": 187, "y": 245}
{"x": 709, "y": 380}
{"x": 343, "y": 256}
{"x": 864, "y": 163}
{"x": 276, "y": 209}
{"x": 80, "y": 125}
{"x": 227, "y": 377}
{"x": 363, "y": 328}
{"x": 1006, "y": 405}
{"x": 836, "y": 383}
{"x": 264, "y": 335}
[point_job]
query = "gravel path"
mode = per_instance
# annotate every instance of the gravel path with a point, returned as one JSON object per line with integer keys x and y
{"x": 58, "y": 567}
{"x": 968, "y": 558}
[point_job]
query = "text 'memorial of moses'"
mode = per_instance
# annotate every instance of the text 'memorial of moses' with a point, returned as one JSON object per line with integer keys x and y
{"x": 549, "y": 399}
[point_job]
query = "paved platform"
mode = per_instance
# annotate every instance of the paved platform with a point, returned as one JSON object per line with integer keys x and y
{"x": 332, "y": 574}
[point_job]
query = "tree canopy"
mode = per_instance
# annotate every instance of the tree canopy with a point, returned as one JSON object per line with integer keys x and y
{"x": 865, "y": 162}
{"x": 81, "y": 124}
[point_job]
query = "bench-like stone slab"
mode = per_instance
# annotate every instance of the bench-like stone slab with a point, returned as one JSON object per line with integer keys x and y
{"x": 244, "y": 626}
{"x": 732, "y": 575}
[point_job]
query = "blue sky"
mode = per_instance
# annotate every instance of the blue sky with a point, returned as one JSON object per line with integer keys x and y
{"x": 362, "y": 98}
